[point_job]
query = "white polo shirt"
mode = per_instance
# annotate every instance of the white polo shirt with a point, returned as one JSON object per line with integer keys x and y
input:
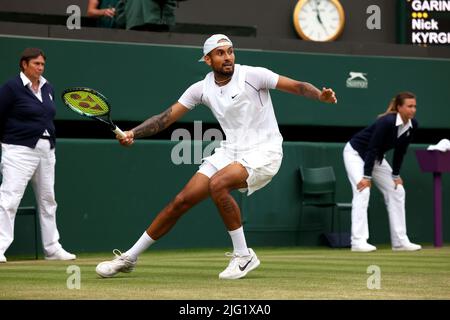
{"x": 243, "y": 108}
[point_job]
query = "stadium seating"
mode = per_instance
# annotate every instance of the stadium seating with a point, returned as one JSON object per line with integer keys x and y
{"x": 318, "y": 190}
{"x": 31, "y": 211}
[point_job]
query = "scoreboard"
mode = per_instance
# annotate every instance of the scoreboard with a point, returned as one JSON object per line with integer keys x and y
{"x": 424, "y": 22}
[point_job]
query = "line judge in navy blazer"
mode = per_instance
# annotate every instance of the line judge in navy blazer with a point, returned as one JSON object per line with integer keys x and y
{"x": 364, "y": 161}
{"x": 27, "y": 135}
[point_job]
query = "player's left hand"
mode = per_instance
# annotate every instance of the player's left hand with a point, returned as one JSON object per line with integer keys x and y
{"x": 328, "y": 95}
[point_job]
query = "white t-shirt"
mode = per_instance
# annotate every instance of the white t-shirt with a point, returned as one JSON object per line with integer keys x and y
{"x": 243, "y": 108}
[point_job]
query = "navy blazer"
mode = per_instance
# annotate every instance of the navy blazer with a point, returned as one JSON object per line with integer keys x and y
{"x": 374, "y": 141}
{"x": 23, "y": 118}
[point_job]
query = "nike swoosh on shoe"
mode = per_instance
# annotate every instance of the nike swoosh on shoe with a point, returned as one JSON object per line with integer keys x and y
{"x": 245, "y": 265}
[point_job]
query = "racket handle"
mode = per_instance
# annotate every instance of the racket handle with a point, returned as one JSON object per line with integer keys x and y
{"x": 119, "y": 132}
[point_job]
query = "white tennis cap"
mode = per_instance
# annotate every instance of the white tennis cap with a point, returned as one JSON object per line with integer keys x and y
{"x": 215, "y": 41}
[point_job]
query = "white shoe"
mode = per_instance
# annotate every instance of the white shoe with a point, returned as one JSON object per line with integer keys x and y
{"x": 2, "y": 258}
{"x": 365, "y": 247}
{"x": 121, "y": 263}
{"x": 408, "y": 247}
{"x": 240, "y": 265}
{"x": 61, "y": 254}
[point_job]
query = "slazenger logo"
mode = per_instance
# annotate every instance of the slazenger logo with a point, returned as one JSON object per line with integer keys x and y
{"x": 357, "y": 80}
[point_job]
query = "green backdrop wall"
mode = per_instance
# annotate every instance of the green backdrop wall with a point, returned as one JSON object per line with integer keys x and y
{"x": 107, "y": 196}
{"x": 144, "y": 79}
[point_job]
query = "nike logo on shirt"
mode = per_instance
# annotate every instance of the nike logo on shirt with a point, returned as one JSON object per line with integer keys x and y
{"x": 232, "y": 97}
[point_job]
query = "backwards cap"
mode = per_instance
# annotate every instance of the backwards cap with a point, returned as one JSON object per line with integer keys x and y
{"x": 215, "y": 41}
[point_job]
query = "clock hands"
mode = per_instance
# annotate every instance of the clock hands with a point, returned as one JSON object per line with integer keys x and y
{"x": 317, "y": 11}
{"x": 317, "y": 2}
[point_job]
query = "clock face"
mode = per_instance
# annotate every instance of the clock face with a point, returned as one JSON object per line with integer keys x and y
{"x": 319, "y": 20}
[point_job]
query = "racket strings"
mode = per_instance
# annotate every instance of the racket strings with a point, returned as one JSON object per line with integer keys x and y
{"x": 87, "y": 103}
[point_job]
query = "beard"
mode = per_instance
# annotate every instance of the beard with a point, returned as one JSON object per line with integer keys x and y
{"x": 223, "y": 72}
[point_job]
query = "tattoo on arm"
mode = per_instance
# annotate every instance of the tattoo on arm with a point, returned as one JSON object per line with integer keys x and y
{"x": 153, "y": 125}
{"x": 308, "y": 90}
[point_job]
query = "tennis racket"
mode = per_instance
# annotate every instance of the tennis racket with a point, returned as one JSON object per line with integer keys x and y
{"x": 92, "y": 104}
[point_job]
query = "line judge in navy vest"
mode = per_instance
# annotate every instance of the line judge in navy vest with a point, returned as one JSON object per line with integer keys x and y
{"x": 27, "y": 135}
{"x": 364, "y": 161}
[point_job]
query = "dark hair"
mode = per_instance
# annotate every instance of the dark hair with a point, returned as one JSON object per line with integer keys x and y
{"x": 398, "y": 100}
{"x": 30, "y": 53}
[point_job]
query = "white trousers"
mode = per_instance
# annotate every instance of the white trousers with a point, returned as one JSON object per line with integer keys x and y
{"x": 19, "y": 165}
{"x": 394, "y": 199}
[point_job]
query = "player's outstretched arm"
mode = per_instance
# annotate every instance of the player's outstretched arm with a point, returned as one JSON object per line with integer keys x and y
{"x": 305, "y": 89}
{"x": 154, "y": 124}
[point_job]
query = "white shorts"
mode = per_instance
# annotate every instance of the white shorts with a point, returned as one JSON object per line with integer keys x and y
{"x": 261, "y": 166}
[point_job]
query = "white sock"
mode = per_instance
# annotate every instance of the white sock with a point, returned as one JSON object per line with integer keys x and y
{"x": 238, "y": 239}
{"x": 140, "y": 246}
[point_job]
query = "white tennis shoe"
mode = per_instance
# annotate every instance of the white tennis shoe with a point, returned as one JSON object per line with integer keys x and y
{"x": 240, "y": 265}
{"x": 363, "y": 247}
{"x": 2, "y": 258}
{"x": 121, "y": 263}
{"x": 409, "y": 246}
{"x": 61, "y": 254}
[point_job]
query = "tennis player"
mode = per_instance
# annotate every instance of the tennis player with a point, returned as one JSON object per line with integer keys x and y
{"x": 247, "y": 159}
